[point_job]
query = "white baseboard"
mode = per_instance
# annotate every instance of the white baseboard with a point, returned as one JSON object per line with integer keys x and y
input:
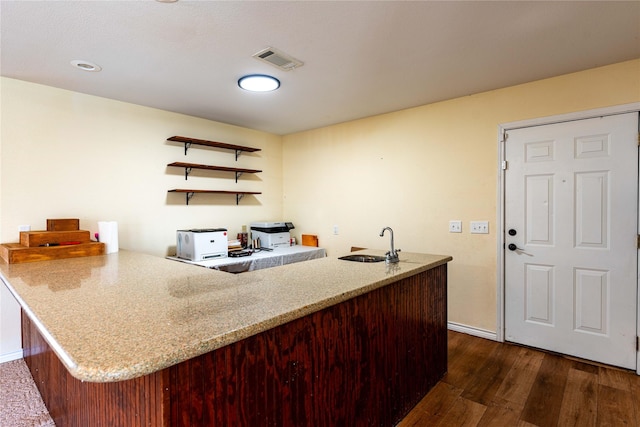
{"x": 471, "y": 330}
{"x": 8, "y": 357}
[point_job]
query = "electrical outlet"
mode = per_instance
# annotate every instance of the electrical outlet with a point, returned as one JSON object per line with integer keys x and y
{"x": 480, "y": 227}
{"x": 335, "y": 230}
{"x": 24, "y": 228}
{"x": 455, "y": 226}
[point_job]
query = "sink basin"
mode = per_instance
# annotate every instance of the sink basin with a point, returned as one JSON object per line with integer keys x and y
{"x": 362, "y": 258}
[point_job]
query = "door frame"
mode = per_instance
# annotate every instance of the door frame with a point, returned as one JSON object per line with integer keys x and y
{"x": 502, "y": 128}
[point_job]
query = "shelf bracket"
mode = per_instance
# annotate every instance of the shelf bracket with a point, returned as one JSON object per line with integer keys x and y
{"x": 187, "y": 171}
{"x": 187, "y": 145}
{"x": 189, "y": 195}
{"x": 238, "y": 198}
{"x": 238, "y": 175}
{"x": 238, "y": 154}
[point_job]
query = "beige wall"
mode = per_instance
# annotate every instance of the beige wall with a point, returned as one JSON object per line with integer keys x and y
{"x": 69, "y": 155}
{"x": 415, "y": 170}
{"x": 65, "y": 154}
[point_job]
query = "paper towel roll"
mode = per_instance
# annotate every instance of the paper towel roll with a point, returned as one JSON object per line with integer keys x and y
{"x": 108, "y": 232}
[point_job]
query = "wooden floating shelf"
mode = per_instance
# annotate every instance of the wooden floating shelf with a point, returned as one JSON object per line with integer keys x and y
{"x": 193, "y": 141}
{"x": 189, "y": 193}
{"x": 189, "y": 166}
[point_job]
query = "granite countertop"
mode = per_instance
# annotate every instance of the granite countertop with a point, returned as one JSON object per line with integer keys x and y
{"x": 127, "y": 314}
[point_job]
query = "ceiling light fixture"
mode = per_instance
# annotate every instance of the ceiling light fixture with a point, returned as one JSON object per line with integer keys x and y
{"x": 259, "y": 83}
{"x": 86, "y": 66}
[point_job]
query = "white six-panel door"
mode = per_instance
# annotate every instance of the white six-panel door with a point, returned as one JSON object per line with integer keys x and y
{"x": 571, "y": 213}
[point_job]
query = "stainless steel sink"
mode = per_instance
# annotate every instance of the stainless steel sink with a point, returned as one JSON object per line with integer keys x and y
{"x": 362, "y": 258}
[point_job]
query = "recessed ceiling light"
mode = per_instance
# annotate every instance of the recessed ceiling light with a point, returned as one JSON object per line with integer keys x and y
{"x": 86, "y": 65}
{"x": 259, "y": 83}
{"x": 166, "y": 1}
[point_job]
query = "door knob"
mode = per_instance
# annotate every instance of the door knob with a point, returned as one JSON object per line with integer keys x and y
{"x": 513, "y": 247}
{"x": 512, "y": 232}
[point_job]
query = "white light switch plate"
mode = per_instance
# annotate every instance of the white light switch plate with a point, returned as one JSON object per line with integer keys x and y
{"x": 455, "y": 226}
{"x": 479, "y": 227}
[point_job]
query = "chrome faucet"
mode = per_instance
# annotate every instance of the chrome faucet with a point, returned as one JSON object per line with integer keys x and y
{"x": 392, "y": 255}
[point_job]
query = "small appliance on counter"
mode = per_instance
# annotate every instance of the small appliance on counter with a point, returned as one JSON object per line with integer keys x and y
{"x": 202, "y": 244}
{"x": 272, "y": 234}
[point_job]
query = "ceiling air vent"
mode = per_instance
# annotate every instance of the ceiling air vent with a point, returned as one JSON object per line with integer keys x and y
{"x": 278, "y": 59}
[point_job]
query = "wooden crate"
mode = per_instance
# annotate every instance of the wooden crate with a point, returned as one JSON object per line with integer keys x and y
{"x": 14, "y": 253}
{"x": 32, "y": 239}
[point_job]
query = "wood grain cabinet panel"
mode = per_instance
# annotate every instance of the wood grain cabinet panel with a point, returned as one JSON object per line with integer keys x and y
{"x": 364, "y": 362}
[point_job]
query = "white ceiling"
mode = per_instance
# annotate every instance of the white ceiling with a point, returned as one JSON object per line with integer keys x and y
{"x": 361, "y": 58}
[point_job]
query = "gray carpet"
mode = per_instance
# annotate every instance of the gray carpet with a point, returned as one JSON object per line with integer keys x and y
{"x": 20, "y": 401}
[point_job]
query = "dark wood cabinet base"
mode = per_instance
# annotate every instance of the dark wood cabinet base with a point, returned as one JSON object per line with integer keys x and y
{"x": 364, "y": 362}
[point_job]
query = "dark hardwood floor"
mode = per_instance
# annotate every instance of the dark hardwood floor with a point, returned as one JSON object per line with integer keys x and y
{"x": 496, "y": 384}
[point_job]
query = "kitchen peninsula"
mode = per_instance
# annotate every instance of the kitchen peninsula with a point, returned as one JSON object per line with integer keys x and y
{"x": 128, "y": 339}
